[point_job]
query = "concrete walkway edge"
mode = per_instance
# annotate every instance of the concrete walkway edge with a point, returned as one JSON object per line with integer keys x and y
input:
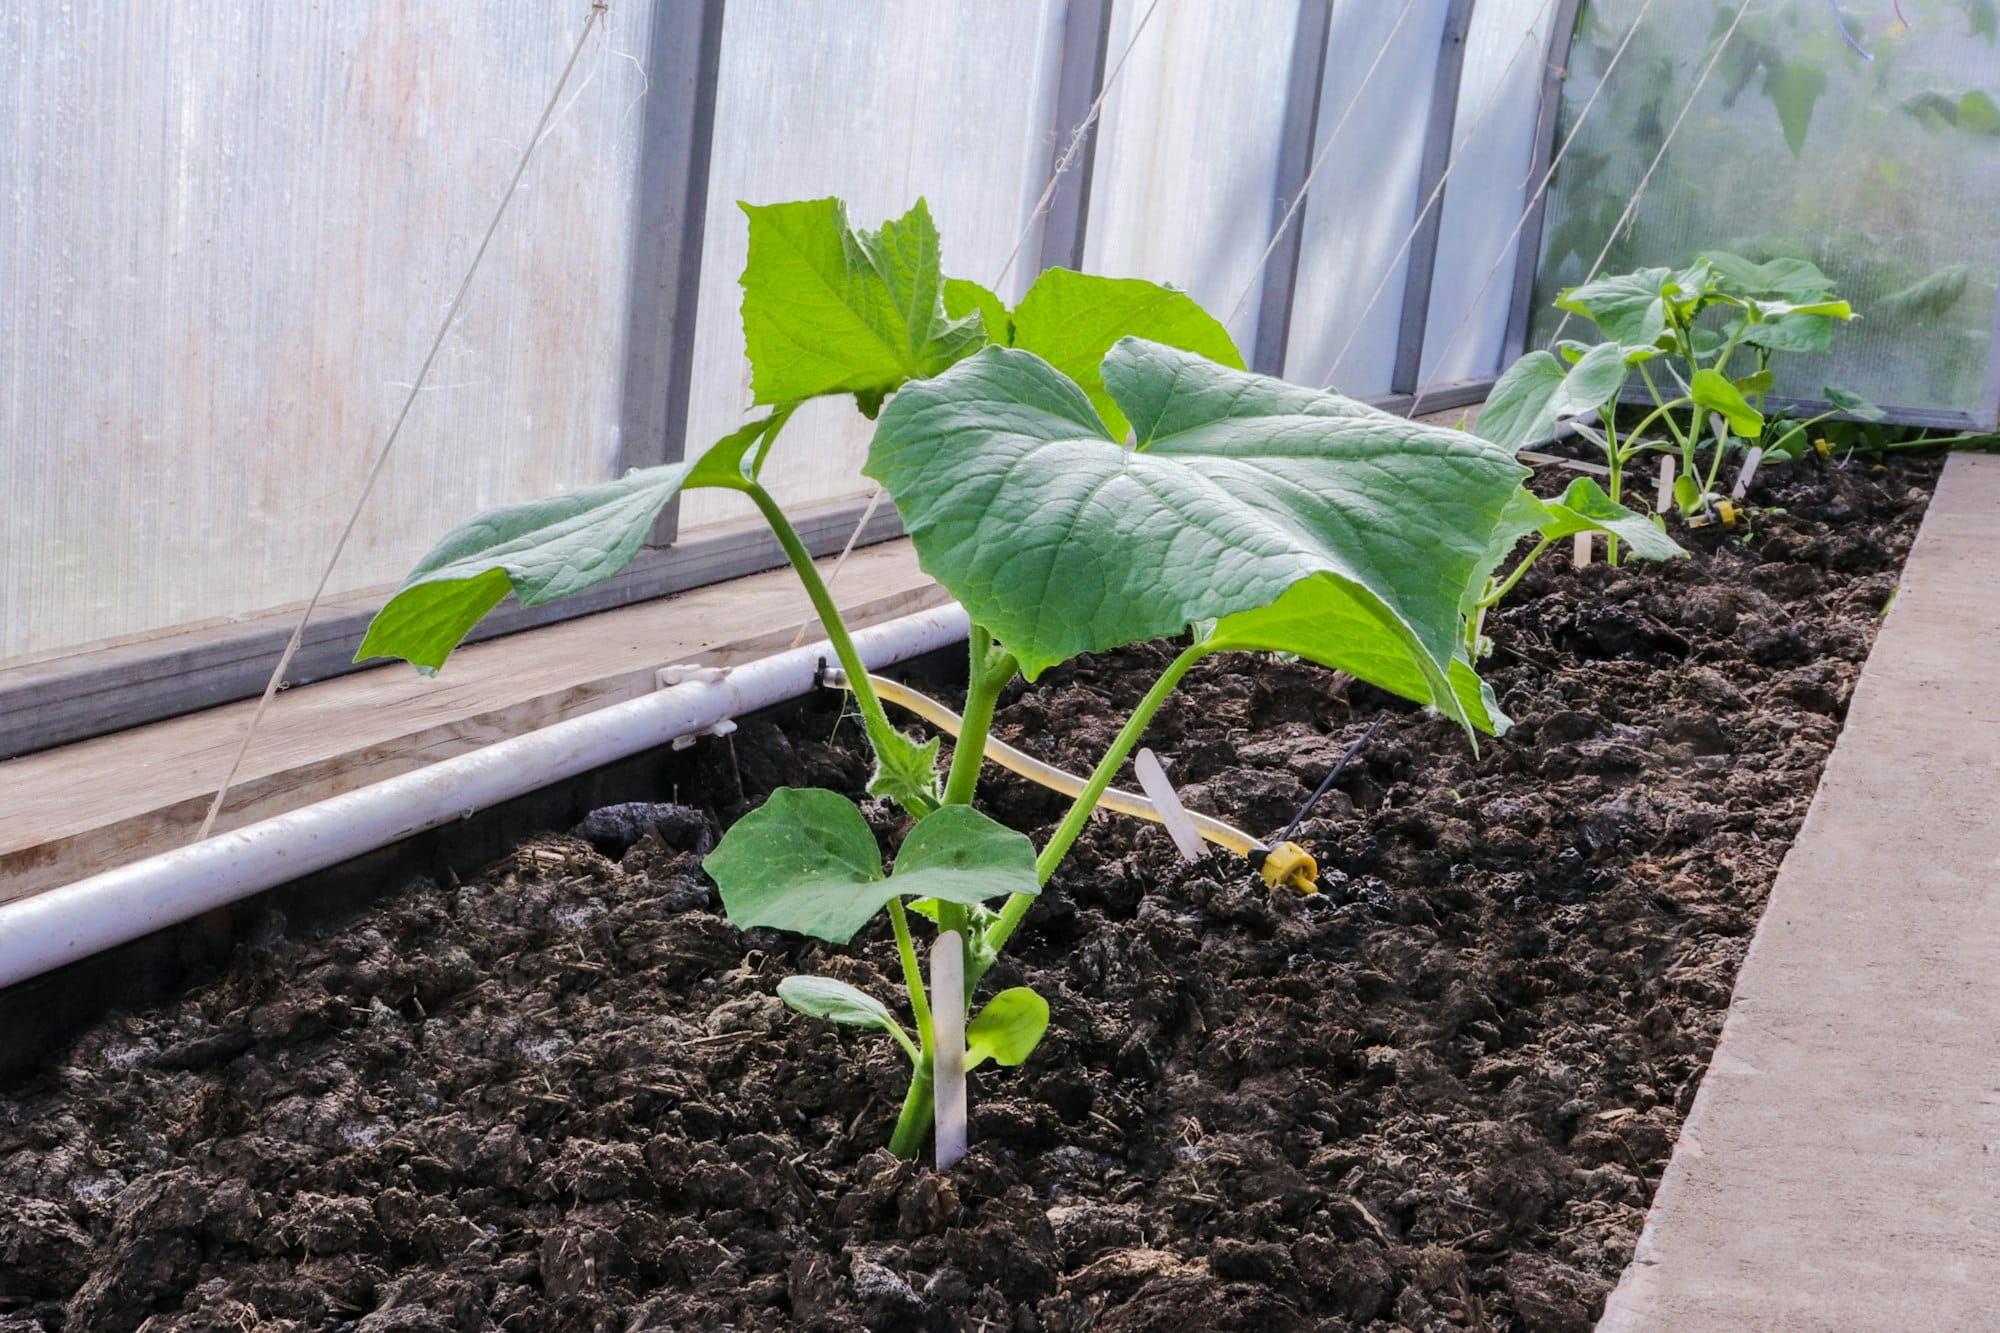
{"x": 1840, "y": 1167}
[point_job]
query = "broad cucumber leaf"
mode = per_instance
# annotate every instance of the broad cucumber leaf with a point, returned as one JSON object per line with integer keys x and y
{"x": 1061, "y": 541}
{"x": 1711, "y": 390}
{"x": 828, "y": 309}
{"x": 964, "y": 297}
{"x": 1536, "y": 393}
{"x": 1584, "y": 507}
{"x": 1071, "y": 320}
{"x": 543, "y": 549}
{"x": 1630, "y": 308}
{"x": 1794, "y": 87}
{"x": 1344, "y": 629}
{"x": 806, "y": 861}
{"x": 1930, "y": 297}
{"x": 539, "y": 550}
{"x": 1008, "y": 1029}
{"x": 1760, "y": 382}
{"x": 823, "y": 997}
{"x": 1853, "y": 404}
{"x": 1791, "y": 279}
{"x": 1792, "y": 333}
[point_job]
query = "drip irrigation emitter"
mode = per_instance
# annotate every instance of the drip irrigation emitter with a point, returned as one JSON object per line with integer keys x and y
{"x": 1281, "y": 863}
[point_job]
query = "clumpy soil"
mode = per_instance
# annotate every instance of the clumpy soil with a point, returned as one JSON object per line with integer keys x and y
{"x": 1438, "y": 1095}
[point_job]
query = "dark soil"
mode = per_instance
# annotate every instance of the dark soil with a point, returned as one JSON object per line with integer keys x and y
{"x": 1436, "y": 1096}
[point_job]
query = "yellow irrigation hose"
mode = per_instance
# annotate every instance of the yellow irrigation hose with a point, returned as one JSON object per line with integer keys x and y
{"x": 1286, "y": 863}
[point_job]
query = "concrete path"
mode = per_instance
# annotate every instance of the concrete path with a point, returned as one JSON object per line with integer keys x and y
{"x": 1840, "y": 1168}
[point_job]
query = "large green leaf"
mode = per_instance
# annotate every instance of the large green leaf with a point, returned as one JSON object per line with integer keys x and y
{"x": 1071, "y": 320}
{"x": 1794, "y": 87}
{"x": 1327, "y": 621}
{"x": 1629, "y": 308}
{"x": 1536, "y": 392}
{"x": 540, "y": 550}
{"x": 543, "y": 549}
{"x": 1713, "y": 392}
{"x": 823, "y": 997}
{"x": 806, "y": 861}
{"x": 828, "y": 309}
{"x": 1061, "y": 541}
{"x": 1583, "y": 507}
{"x": 1008, "y": 1029}
{"x": 1792, "y": 279}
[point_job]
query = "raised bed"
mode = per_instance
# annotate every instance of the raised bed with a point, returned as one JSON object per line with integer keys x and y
{"x": 1439, "y": 1095}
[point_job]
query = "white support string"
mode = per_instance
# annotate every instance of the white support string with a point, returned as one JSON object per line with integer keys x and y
{"x": 1541, "y": 188}
{"x": 1444, "y": 177}
{"x": 1064, "y": 161}
{"x": 1632, "y": 205}
{"x": 590, "y": 25}
{"x": 1075, "y": 145}
{"x": 1305, "y": 187}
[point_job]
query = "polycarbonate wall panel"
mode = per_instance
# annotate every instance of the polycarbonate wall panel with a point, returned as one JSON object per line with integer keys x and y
{"x": 1885, "y": 173}
{"x": 1187, "y": 150}
{"x": 1354, "y": 246}
{"x": 228, "y": 230}
{"x": 1499, "y": 110}
{"x": 877, "y": 103}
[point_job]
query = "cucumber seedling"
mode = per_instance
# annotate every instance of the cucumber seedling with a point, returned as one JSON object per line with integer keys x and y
{"x": 1700, "y": 340}
{"x": 1089, "y": 469}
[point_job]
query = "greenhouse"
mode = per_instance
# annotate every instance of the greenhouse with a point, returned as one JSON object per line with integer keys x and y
{"x": 1046, "y": 665}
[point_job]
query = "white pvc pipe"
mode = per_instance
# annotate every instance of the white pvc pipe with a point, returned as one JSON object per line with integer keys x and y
{"x": 60, "y": 926}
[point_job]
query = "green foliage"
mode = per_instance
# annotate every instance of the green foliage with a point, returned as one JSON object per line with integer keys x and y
{"x": 838, "y": 1002}
{"x": 1061, "y": 540}
{"x": 1105, "y": 472}
{"x": 1584, "y": 507}
{"x": 1696, "y": 323}
{"x": 1071, "y": 320}
{"x": 828, "y": 309}
{"x": 539, "y": 550}
{"x": 805, "y": 861}
{"x": 1008, "y": 1029}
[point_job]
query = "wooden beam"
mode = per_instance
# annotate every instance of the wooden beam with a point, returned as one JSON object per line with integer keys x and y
{"x": 103, "y": 802}
{"x": 63, "y": 698}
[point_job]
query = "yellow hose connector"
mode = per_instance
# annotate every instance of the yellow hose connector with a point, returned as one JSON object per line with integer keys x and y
{"x": 1290, "y": 866}
{"x": 1287, "y": 865}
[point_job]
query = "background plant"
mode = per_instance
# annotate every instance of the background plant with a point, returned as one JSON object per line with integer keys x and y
{"x": 1089, "y": 469}
{"x": 1700, "y": 340}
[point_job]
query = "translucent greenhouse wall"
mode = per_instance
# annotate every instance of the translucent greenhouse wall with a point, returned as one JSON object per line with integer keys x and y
{"x": 1885, "y": 172}
{"x": 231, "y": 229}
{"x": 228, "y": 230}
{"x": 818, "y": 99}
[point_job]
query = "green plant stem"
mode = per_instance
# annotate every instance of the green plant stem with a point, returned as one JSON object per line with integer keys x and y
{"x": 1507, "y": 585}
{"x": 913, "y": 972}
{"x": 1615, "y": 461}
{"x": 989, "y": 673}
{"x": 876, "y": 722}
{"x": 915, "y": 1118}
{"x": 1080, "y": 810}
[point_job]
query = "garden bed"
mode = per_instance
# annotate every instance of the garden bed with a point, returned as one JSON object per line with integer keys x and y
{"x": 1438, "y": 1095}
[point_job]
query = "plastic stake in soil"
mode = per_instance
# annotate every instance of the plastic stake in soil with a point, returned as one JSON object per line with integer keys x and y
{"x": 1749, "y": 472}
{"x": 1153, "y": 778}
{"x": 1581, "y": 548}
{"x": 1664, "y": 495}
{"x": 948, "y": 1044}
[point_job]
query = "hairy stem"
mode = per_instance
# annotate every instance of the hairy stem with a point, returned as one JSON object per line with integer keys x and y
{"x": 1506, "y": 586}
{"x": 1086, "y": 801}
{"x": 913, "y": 973}
{"x": 989, "y": 673}
{"x": 880, "y": 733}
{"x": 915, "y": 1118}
